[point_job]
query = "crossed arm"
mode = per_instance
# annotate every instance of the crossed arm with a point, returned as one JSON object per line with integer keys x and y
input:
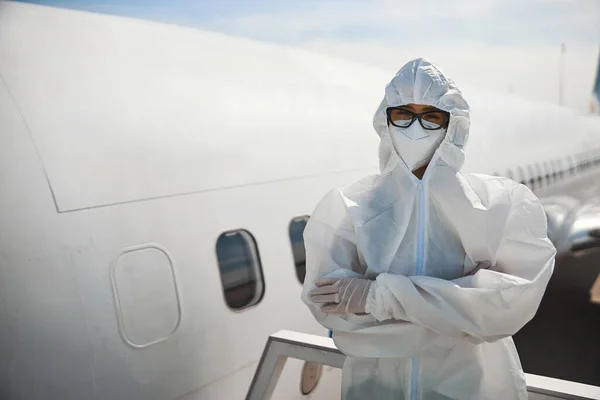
{"x": 486, "y": 305}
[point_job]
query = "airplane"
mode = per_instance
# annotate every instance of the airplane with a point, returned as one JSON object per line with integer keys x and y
{"x": 155, "y": 183}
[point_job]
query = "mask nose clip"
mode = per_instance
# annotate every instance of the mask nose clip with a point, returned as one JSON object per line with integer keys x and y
{"x": 414, "y": 132}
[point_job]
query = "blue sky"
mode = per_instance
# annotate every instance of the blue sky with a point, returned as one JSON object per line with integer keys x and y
{"x": 506, "y": 45}
{"x": 488, "y": 21}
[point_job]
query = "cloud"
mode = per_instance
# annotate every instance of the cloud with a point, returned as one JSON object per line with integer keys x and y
{"x": 372, "y": 18}
{"x": 509, "y": 46}
{"x": 492, "y": 21}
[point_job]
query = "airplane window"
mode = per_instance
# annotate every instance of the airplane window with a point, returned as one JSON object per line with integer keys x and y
{"x": 521, "y": 174}
{"x": 553, "y": 174}
{"x": 548, "y": 172}
{"x": 571, "y": 165}
{"x": 557, "y": 170}
{"x": 531, "y": 182}
{"x": 539, "y": 172}
{"x": 297, "y": 239}
{"x": 561, "y": 169}
{"x": 241, "y": 270}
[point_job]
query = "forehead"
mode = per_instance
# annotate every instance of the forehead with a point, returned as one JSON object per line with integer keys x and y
{"x": 419, "y": 108}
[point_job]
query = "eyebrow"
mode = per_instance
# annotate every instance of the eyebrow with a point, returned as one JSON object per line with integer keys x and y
{"x": 426, "y": 109}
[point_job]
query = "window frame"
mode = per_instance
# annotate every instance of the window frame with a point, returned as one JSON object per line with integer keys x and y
{"x": 302, "y": 217}
{"x": 251, "y": 241}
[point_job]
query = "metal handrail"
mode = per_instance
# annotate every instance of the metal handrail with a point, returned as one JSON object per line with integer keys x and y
{"x": 322, "y": 350}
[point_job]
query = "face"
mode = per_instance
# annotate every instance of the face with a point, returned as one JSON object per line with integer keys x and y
{"x": 416, "y": 131}
{"x": 433, "y": 118}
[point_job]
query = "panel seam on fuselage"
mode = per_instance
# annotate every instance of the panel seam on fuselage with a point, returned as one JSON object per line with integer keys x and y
{"x": 37, "y": 151}
{"x": 166, "y": 196}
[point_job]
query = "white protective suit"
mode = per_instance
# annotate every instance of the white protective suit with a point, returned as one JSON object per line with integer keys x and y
{"x": 435, "y": 329}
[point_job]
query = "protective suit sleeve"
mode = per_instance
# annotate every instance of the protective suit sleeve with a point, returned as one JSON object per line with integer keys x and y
{"x": 489, "y": 305}
{"x": 331, "y": 253}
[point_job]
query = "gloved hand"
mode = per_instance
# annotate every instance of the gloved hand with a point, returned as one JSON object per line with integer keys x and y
{"x": 341, "y": 296}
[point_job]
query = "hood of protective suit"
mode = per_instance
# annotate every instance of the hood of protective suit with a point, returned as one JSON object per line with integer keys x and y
{"x": 421, "y": 82}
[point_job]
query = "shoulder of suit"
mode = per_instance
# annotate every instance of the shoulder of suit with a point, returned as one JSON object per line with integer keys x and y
{"x": 495, "y": 185}
{"x": 491, "y": 180}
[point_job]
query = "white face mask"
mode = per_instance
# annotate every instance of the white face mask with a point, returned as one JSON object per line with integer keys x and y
{"x": 415, "y": 145}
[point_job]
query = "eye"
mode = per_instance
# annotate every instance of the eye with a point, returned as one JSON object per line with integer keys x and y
{"x": 400, "y": 115}
{"x": 434, "y": 116}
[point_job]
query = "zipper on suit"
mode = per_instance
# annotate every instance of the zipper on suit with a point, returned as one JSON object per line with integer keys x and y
{"x": 420, "y": 265}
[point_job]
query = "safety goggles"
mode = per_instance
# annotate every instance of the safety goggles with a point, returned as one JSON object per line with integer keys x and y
{"x": 429, "y": 120}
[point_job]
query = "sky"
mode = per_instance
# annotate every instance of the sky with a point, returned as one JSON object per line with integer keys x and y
{"x": 510, "y": 46}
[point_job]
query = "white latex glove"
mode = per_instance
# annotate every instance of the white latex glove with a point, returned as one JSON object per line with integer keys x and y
{"x": 341, "y": 296}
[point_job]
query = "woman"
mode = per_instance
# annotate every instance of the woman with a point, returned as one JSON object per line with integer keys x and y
{"x": 423, "y": 273}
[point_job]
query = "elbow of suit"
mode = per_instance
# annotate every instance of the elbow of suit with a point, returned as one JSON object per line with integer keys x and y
{"x": 504, "y": 325}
